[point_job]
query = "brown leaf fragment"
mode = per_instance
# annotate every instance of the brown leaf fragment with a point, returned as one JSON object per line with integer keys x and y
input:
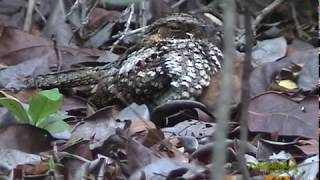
{"x": 23, "y": 55}
{"x": 195, "y": 128}
{"x": 25, "y": 138}
{"x": 139, "y": 156}
{"x": 275, "y": 113}
{"x": 99, "y": 126}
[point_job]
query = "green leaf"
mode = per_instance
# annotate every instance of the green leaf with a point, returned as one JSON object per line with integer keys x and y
{"x": 121, "y": 2}
{"x": 51, "y": 164}
{"x": 58, "y": 116}
{"x": 54, "y": 123}
{"x": 15, "y": 107}
{"x": 44, "y": 104}
{"x": 56, "y": 127}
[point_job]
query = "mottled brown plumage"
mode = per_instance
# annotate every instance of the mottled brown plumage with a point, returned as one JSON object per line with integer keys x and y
{"x": 172, "y": 61}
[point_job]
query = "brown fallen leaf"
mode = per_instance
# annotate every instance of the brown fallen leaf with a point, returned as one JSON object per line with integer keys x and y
{"x": 195, "y": 128}
{"x": 275, "y": 113}
{"x": 25, "y": 138}
{"x": 139, "y": 156}
{"x": 99, "y": 126}
{"x": 25, "y": 55}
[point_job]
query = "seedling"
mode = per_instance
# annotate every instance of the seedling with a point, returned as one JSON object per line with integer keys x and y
{"x": 43, "y": 110}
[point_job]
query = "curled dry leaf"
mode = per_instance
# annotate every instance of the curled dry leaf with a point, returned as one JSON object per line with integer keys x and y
{"x": 308, "y": 147}
{"x": 77, "y": 147}
{"x": 195, "y": 128}
{"x": 262, "y": 77}
{"x": 99, "y": 126}
{"x": 139, "y": 156}
{"x": 188, "y": 143}
{"x": 168, "y": 150}
{"x": 173, "y": 112}
{"x": 139, "y": 116}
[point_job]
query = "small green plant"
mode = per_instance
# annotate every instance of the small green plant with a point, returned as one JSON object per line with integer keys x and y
{"x": 272, "y": 167}
{"x": 43, "y": 110}
{"x": 52, "y": 165}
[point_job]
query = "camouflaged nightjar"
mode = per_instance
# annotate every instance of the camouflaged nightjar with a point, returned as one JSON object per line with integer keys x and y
{"x": 173, "y": 61}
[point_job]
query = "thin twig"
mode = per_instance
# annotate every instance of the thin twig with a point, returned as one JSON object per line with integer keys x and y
{"x": 83, "y": 15}
{"x": 265, "y": 12}
{"x": 86, "y": 11}
{"x": 223, "y": 112}
{"x": 127, "y": 26}
{"x": 259, "y": 18}
{"x": 102, "y": 169}
{"x": 300, "y": 32}
{"x": 129, "y": 33}
{"x": 28, "y": 21}
{"x": 62, "y": 155}
{"x": 177, "y": 4}
{"x": 73, "y": 8}
{"x": 143, "y": 13}
{"x": 40, "y": 14}
{"x": 90, "y": 11}
{"x": 57, "y": 53}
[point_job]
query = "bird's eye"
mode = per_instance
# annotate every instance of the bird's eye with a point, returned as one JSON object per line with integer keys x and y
{"x": 175, "y": 27}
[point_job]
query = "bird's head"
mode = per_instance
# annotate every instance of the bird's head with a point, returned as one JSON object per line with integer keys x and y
{"x": 178, "y": 25}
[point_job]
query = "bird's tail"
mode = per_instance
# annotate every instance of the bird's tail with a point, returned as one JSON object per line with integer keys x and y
{"x": 69, "y": 78}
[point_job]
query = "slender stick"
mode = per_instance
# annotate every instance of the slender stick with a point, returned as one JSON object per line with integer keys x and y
{"x": 143, "y": 10}
{"x": 129, "y": 33}
{"x": 223, "y": 112}
{"x": 28, "y": 21}
{"x": 73, "y": 8}
{"x": 127, "y": 27}
{"x": 178, "y": 4}
{"x": 259, "y": 18}
{"x": 266, "y": 11}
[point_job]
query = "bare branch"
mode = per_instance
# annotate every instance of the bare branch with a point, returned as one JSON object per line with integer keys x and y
{"x": 28, "y": 21}
{"x": 266, "y": 11}
{"x": 127, "y": 26}
{"x": 257, "y": 21}
{"x": 73, "y": 8}
{"x": 129, "y": 33}
{"x": 178, "y": 4}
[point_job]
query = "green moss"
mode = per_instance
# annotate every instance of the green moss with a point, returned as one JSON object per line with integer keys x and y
{"x": 272, "y": 167}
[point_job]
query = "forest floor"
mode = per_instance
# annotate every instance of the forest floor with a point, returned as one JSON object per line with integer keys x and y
{"x": 57, "y": 134}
